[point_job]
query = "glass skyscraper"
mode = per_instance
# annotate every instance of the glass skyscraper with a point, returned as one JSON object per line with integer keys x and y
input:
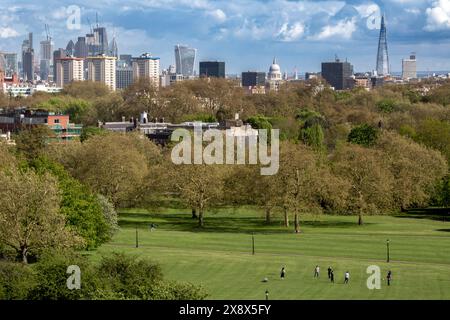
{"x": 185, "y": 60}
{"x": 383, "y": 56}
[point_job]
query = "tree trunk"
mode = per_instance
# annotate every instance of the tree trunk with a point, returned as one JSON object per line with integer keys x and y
{"x": 200, "y": 218}
{"x": 360, "y": 220}
{"x": 286, "y": 218}
{"x": 194, "y": 214}
{"x": 268, "y": 215}
{"x": 24, "y": 253}
{"x": 296, "y": 223}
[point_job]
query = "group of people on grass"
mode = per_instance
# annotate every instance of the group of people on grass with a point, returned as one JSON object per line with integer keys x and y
{"x": 331, "y": 275}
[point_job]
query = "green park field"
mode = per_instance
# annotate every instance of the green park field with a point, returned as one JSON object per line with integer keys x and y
{"x": 219, "y": 256}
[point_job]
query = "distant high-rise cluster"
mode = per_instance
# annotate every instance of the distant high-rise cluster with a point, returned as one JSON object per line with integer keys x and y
{"x": 28, "y": 58}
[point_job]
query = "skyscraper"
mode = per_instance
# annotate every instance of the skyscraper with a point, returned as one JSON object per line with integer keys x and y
{"x": 185, "y": 60}
{"x": 114, "y": 51}
{"x": 28, "y": 58}
{"x": 46, "y": 58}
{"x": 81, "y": 49}
{"x": 212, "y": 69}
{"x": 338, "y": 74}
{"x": 146, "y": 66}
{"x": 68, "y": 69}
{"x": 409, "y": 67}
{"x": 383, "y": 56}
{"x": 102, "y": 69}
{"x": 8, "y": 63}
{"x": 101, "y": 40}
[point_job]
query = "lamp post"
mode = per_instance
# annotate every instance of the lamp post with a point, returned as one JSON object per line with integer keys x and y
{"x": 137, "y": 238}
{"x": 387, "y": 247}
{"x": 253, "y": 243}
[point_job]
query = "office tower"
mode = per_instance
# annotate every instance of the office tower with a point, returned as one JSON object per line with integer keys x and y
{"x": 9, "y": 63}
{"x": 383, "y": 68}
{"x": 146, "y": 66}
{"x": 185, "y": 60}
{"x": 57, "y": 54}
{"x": 46, "y": 58}
{"x": 124, "y": 75}
{"x": 126, "y": 58}
{"x": 212, "y": 69}
{"x": 28, "y": 58}
{"x": 102, "y": 69}
{"x": 114, "y": 51}
{"x": 68, "y": 69}
{"x": 409, "y": 67}
{"x": 101, "y": 40}
{"x": 253, "y": 79}
{"x": 70, "y": 49}
{"x": 81, "y": 49}
{"x": 338, "y": 74}
{"x": 90, "y": 43}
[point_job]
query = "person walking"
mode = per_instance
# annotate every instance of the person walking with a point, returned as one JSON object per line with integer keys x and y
{"x": 389, "y": 277}
{"x": 347, "y": 277}
{"x": 316, "y": 272}
{"x": 283, "y": 273}
{"x": 331, "y": 275}
{"x": 329, "y": 272}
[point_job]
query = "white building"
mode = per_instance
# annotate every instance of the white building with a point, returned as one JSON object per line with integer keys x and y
{"x": 102, "y": 69}
{"x": 69, "y": 69}
{"x": 409, "y": 68}
{"x": 274, "y": 77}
{"x": 146, "y": 66}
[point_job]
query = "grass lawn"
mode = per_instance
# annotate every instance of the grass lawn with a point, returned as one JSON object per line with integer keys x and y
{"x": 219, "y": 257}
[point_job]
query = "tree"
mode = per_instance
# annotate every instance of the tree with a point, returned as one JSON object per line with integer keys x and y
{"x": 371, "y": 182}
{"x": 30, "y": 220}
{"x": 83, "y": 210}
{"x": 31, "y": 142}
{"x": 114, "y": 165}
{"x": 298, "y": 181}
{"x": 416, "y": 169}
{"x": 364, "y": 135}
{"x": 199, "y": 186}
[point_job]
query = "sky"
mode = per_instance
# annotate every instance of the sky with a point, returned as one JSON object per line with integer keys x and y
{"x": 246, "y": 34}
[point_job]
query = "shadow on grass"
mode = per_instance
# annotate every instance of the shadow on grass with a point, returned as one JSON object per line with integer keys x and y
{"x": 443, "y": 230}
{"x": 435, "y": 214}
{"x": 223, "y": 224}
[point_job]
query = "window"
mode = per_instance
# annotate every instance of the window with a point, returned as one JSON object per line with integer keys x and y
{"x": 56, "y": 121}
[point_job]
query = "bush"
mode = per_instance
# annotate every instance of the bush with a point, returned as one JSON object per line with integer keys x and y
{"x": 51, "y": 277}
{"x": 16, "y": 280}
{"x": 128, "y": 275}
{"x": 364, "y": 135}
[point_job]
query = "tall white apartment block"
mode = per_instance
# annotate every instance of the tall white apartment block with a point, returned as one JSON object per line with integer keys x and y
{"x": 102, "y": 69}
{"x": 69, "y": 69}
{"x": 146, "y": 66}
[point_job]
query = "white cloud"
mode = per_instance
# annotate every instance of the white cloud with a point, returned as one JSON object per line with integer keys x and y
{"x": 291, "y": 32}
{"x": 7, "y": 32}
{"x": 343, "y": 29}
{"x": 438, "y": 16}
{"x": 218, "y": 15}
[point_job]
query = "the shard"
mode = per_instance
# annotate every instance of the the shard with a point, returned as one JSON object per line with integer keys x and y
{"x": 383, "y": 56}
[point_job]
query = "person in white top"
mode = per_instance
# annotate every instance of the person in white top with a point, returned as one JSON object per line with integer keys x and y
{"x": 347, "y": 277}
{"x": 316, "y": 272}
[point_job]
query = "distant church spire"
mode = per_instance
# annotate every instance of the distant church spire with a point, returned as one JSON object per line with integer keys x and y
{"x": 383, "y": 56}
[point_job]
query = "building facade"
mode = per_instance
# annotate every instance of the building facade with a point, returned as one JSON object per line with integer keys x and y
{"x": 338, "y": 74}
{"x": 185, "y": 60}
{"x": 383, "y": 67}
{"x": 146, "y": 66}
{"x": 69, "y": 69}
{"x": 102, "y": 69}
{"x": 214, "y": 69}
{"x": 409, "y": 68}
{"x": 253, "y": 79}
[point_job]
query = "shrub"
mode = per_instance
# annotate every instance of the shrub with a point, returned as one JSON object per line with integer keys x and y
{"x": 16, "y": 280}
{"x": 364, "y": 135}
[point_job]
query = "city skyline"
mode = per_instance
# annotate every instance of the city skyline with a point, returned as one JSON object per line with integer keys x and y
{"x": 301, "y": 34}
